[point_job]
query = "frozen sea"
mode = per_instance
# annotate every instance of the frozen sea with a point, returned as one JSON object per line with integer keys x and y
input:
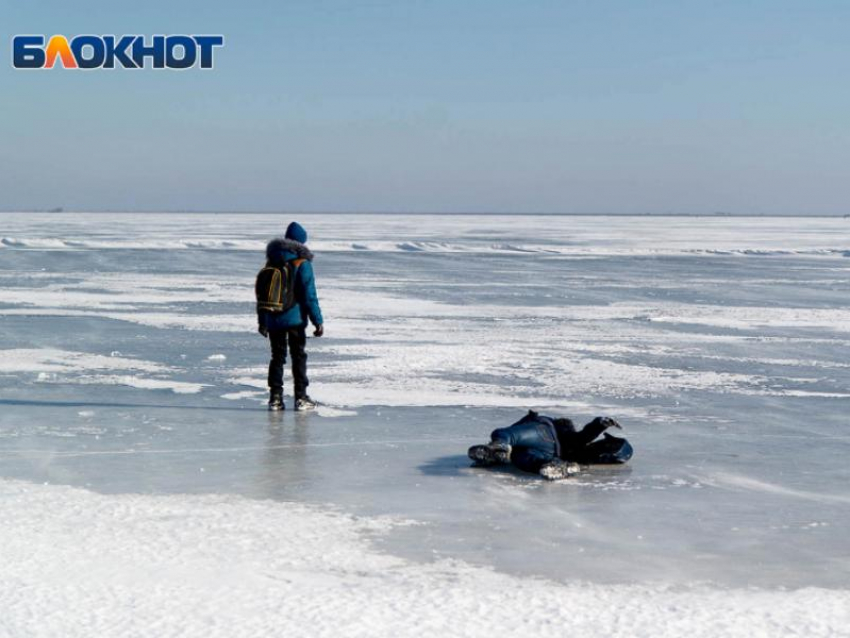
{"x": 145, "y": 490}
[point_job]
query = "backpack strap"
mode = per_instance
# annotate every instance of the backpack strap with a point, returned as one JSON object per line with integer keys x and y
{"x": 293, "y": 265}
{"x": 292, "y": 268}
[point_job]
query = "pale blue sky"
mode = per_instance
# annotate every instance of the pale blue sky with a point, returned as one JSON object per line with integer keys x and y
{"x": 573, "y": 106}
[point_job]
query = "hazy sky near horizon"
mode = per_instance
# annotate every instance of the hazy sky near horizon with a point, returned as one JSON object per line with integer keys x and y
{"x": 585, "y": 106}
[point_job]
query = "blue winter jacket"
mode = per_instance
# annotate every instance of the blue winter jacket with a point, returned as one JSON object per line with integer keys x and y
{"x": 278, "y": 252}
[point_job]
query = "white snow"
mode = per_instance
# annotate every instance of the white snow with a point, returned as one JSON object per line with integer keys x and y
{"x": 142, "y": 383}
{"x": 79, "y": 564}
{"x": 244, "y": 394}
{"x": 52, "y": 365}
{"x": 329, "y": 412}
{"x": 55, "y": 360}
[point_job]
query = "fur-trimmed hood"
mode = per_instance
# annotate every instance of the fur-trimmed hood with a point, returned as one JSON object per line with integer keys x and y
{"x": 277, "y": 247}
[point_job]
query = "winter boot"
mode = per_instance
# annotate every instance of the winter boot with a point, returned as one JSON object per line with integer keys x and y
{"x": 276, "y": 400}
{"x": 490, "y": 454}
{"x": 558, "y": 469}
{"x": 302, "y": 404}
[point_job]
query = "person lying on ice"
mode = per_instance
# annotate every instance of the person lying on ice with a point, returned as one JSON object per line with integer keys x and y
{"x": 552, "y": 447}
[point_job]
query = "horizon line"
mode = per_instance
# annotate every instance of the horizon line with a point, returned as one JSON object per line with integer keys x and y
{"x": 62, "y": 211}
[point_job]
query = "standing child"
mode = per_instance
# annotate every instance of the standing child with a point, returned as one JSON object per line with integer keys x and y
{"x": 286, "y": 299}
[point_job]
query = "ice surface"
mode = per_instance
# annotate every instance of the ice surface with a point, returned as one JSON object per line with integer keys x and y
{"x": 721, "y": 344}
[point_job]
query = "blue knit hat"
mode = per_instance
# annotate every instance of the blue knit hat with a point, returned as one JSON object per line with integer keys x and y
{"x": 296, "y": 232}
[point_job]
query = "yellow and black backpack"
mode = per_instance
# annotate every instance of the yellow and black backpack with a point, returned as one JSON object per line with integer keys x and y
{"x": 275, "y": 286}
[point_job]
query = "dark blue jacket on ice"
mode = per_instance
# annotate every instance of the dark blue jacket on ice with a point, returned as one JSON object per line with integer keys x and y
{"x": 278, "y": 252}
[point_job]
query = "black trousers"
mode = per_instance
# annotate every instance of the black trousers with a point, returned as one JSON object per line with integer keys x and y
{"x": 574, "y": 442}
{"x": 297, "y": 340}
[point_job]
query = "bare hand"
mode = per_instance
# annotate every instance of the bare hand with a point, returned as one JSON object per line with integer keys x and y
{"x": 611, "y": 423}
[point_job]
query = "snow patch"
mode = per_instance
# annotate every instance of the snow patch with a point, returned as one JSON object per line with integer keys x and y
{"x": 55, "y": 360}
{"x": 245, "y": 394}
{"x": 82, "y": 564}
{"x": 142, "y": 383}
{"x": 330, "y": 412}
{"x": 66, "y": 366}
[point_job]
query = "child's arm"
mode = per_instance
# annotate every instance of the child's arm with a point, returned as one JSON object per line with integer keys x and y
{"x": 311, "y": 299}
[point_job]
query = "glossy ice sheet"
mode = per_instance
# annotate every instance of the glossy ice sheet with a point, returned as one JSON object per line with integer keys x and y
{"x": 128, "y": 363}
